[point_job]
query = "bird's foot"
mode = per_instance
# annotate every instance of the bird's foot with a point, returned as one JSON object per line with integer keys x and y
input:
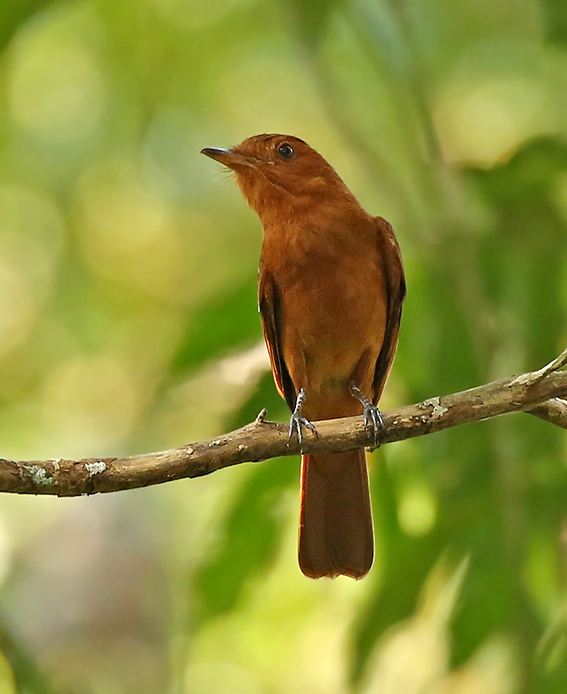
{"x": 372, "y": 416}
{"x": 297, "y": 421}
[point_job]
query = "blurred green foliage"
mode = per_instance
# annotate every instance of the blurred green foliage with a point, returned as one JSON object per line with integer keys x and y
{"x": 237, "y": 563}
{"x": 128, "y": 321}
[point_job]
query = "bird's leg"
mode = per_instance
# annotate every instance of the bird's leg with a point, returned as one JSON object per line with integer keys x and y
{"x": 372, "y": 415}
{"x": 297, "y": 421}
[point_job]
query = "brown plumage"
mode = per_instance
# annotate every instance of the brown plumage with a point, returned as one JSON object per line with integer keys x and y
{"x": 331, "y": 289}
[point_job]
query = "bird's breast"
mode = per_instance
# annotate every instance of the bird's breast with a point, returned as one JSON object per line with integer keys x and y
{"x": 333, "y": 312}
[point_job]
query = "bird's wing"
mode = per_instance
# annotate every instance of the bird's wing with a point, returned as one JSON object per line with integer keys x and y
{"x": 270, "y": 305}
{"x": 389, "y": 253}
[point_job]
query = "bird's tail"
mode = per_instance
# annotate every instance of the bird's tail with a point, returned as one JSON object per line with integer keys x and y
{"x": 335, "y": 529}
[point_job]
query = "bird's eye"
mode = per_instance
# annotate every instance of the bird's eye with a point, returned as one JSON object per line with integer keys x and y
{"x": 285, "y": 151}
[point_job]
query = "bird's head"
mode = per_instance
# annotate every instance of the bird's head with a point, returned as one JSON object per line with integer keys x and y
{"x": 281, "y": 171}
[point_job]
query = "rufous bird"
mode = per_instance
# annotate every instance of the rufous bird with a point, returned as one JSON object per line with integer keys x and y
{"x": 331, "y": 289}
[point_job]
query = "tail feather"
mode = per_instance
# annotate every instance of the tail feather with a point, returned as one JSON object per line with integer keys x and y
{"x": 335, "y": 530}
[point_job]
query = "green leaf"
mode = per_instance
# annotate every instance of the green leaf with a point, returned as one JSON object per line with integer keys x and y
{"x": 14, "y": 14}
{"x": 227, "y": 323}
{"x": 406, "y": 563}
{"x": 310, "y": 18}
{"x": 27, "y": 675}
{"x": 249, "y": 541}
{"x": 554, "y": 15}
{"x": 265, "y": 396}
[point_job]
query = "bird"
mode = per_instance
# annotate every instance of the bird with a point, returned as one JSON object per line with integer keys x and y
{"x": 331, "y": 287}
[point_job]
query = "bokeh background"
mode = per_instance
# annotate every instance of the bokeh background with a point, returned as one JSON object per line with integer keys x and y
{"x": 128, "y": 323}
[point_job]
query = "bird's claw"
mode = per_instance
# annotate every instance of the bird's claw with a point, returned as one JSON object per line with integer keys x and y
{"x": 297, "y": 421}
{"x": 373, "y": 418}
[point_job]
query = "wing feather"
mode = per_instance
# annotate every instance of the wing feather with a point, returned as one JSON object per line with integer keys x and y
{"x": 270, "y": 305}
{"x": 391, "y": 257}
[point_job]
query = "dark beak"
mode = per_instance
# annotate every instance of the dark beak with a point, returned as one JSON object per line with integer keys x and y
{"x": 228, "y": 157}
{"x": 217, "y": 153}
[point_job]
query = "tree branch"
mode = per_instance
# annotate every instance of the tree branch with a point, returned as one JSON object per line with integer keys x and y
{"x": 537, "y": 392}
{"x": 553, "y": 411}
